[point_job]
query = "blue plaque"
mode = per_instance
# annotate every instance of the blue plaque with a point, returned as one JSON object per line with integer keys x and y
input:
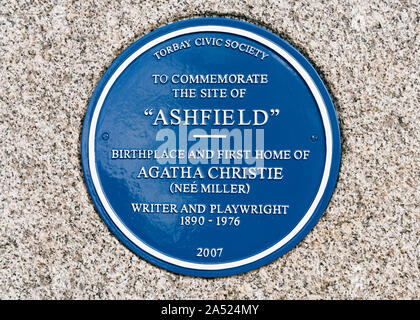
{"x": 210, "y": 147}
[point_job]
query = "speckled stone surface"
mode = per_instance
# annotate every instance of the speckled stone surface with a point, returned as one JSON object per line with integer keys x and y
{"x": 53, "y": 244}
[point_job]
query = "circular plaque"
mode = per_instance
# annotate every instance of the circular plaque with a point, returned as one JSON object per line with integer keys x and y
{"x": 210, "y": 147}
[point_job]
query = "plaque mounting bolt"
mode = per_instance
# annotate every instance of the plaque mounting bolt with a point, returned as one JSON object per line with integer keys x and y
{"x": 314, "y": 138}
{"x": 105, "y": 136}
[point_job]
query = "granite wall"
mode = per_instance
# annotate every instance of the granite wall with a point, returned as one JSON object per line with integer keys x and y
{"x": 53, "y": 244}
